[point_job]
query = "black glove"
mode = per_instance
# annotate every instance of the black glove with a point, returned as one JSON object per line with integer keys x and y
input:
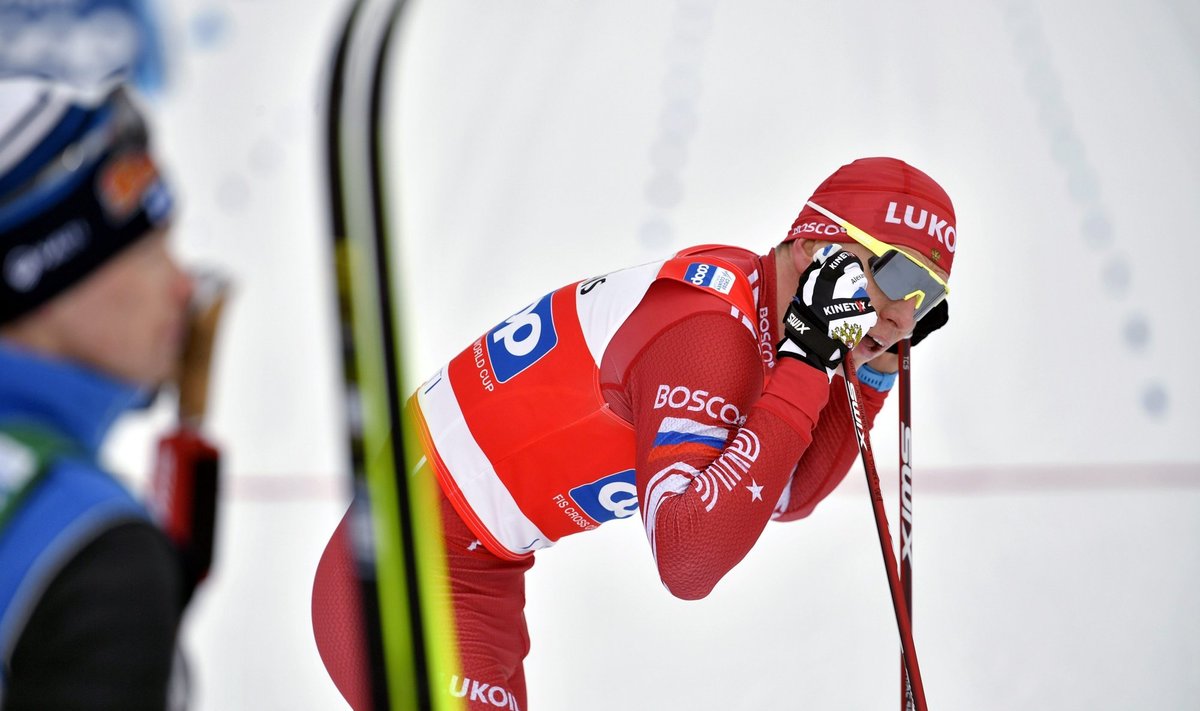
{"x": 830, "y": 311}
{"x": 935, "y": 319}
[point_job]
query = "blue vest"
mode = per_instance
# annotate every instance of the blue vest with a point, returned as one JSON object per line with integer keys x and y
{"x": 62, "y": 504}
{"x": 54, "y": 498}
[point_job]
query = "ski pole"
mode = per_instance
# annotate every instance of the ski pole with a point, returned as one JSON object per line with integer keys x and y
{"x": 905, "y": 524}
{"x": 885, "y": 537}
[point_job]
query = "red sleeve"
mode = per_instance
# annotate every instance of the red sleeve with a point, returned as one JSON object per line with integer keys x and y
{"x": 714, "y": 450}
{"x": 833, "y": 451}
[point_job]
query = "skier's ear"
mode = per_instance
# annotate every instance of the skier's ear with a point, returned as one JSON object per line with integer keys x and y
{"x": 802, "y": 250}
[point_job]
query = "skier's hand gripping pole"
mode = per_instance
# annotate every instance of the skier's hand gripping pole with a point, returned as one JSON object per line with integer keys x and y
{"x": 183, "y": 490}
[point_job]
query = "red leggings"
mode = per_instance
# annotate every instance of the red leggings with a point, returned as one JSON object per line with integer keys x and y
{"x": 488, "y": 599}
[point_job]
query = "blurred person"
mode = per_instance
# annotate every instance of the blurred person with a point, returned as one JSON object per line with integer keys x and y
{"x": 92, "y": 320}
{"x": 702, "y": 392}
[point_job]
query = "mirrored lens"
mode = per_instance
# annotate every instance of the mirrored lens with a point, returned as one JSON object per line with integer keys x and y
{"x": 898, "y": 277}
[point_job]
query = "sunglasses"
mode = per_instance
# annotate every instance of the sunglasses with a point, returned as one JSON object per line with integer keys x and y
{"x": 897, "y": 274}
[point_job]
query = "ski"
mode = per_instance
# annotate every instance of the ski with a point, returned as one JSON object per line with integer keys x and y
{"x": 395, "y": 532}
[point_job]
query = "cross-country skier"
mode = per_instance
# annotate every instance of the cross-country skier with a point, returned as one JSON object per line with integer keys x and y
{"x": 700, "y": 393}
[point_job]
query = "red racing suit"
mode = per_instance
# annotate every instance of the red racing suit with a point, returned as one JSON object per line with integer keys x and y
{"x": 652, "y": 390}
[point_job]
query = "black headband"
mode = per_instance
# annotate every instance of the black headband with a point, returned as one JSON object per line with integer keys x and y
{"x": 121, "y": 199}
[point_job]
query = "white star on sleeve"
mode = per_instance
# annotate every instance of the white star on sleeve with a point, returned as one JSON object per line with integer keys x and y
{"x": 755, "y": 491}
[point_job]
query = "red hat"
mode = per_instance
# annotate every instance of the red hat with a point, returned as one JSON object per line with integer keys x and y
{"x": 889, "y": 199}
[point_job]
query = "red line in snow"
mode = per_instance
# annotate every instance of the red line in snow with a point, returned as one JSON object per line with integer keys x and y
{"x": 1052, "y": 477}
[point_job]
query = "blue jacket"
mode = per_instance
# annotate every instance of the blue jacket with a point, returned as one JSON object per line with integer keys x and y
{"x": 74, "y": 500}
